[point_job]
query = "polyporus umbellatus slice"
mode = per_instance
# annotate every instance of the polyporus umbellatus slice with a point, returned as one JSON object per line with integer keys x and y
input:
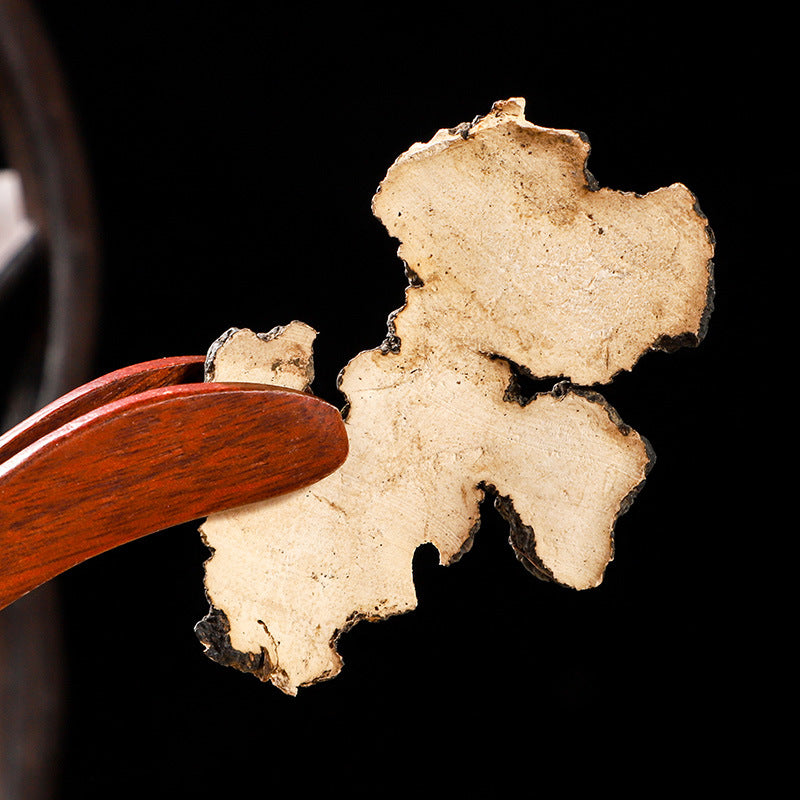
{"x": 518, "y": 262}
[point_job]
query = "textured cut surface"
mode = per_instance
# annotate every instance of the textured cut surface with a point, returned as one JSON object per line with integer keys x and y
{"x": 515, "y": 257}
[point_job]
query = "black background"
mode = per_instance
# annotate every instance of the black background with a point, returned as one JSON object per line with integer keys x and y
{"x": 234, "y": 152}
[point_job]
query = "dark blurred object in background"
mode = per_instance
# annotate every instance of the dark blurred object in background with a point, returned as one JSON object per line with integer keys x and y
{"x": 49, "y": 299}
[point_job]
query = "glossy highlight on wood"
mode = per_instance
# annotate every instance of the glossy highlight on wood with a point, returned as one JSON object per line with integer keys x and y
{"x": 130, "y": 454}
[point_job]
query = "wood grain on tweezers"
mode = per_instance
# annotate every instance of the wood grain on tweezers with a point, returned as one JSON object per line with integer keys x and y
{"x": 152, "y": 460}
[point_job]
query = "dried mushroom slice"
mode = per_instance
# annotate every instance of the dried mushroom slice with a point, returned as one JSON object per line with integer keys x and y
{"x": 516, "y": 258}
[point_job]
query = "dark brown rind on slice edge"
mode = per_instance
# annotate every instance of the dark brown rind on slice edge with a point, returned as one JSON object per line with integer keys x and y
{"x": 522, "y": 537}
{"x": 211, "y": 355}
{"x": 214, "y": 631}
{"x": 669, "y": 344}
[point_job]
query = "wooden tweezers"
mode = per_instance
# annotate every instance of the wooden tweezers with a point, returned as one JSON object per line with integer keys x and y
{"x": 145, "y": 448}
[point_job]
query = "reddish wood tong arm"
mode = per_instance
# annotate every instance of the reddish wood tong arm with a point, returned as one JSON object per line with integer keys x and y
{"x": 131, "y": 454}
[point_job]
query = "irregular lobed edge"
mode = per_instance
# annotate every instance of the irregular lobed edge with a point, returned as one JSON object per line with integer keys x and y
{"x": 522, "y": 537}
{"x": 211, "y": 355}
{"x": 213, "y": 630}
{"x": 447, "y": 136}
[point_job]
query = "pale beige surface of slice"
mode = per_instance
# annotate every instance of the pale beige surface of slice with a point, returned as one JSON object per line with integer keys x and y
{"x": 515, "y": 258}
